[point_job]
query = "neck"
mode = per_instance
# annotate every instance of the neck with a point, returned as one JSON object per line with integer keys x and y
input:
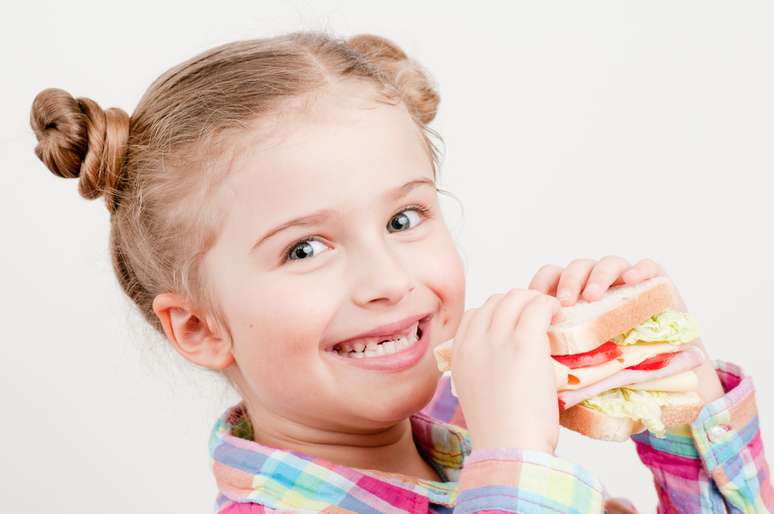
{"x": 389, "y": 448}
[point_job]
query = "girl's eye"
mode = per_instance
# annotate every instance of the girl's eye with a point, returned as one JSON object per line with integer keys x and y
{"x": 400, "y": 220}
{"x": 303, "y": 249}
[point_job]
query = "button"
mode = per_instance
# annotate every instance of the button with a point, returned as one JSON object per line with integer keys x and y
{"x": 718, "y": 433}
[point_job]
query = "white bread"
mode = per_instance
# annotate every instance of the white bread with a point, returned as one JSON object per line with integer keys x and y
{"x": 589, "y": 324}
{"x": 443, "y": 355}
{"x": 597, "y": 425}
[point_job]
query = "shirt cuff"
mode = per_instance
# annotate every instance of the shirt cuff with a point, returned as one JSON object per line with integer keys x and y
{"x": 515, "y": 480}
{"x": 721, "y": 430}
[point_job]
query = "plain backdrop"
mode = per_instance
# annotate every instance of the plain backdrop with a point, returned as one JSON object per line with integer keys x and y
{"x": 572, "y": 129}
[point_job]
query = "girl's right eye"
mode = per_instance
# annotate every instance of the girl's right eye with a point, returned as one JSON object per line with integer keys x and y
{"x": 300, "y": 250}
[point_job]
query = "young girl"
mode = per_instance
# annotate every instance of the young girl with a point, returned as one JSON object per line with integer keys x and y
{"x": 274, "y": 214}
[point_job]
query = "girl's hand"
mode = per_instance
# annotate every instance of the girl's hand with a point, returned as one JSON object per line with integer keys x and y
{"x": 503, "y": 372}
{"x": 590, "y": 279}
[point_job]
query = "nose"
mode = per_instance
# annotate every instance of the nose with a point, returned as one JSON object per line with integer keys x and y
{"x": 382, "y": 276}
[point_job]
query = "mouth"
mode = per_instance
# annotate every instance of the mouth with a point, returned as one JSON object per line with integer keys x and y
{"x": 385, "y": 345}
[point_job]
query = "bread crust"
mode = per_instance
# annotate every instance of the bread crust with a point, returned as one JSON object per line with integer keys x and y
{"x": 443, "y": 355}
{"x": 680, "y": 415}
{"x": 578, "y": 336}
{"x": 598, "y": 425}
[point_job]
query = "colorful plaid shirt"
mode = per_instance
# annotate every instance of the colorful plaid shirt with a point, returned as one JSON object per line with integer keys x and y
{"x": 716, "y": 465}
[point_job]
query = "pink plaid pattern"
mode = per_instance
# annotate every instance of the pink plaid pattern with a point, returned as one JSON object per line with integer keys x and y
{"x": 715, "y": 465}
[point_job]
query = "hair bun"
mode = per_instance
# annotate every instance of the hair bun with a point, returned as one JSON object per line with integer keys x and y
{"x": 414, "y": 83}
{"x": 76, "y": 138}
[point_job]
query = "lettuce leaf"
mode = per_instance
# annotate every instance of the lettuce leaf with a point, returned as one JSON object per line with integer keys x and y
{"x": 668, "y": 326}
{"x": 642, "y": 406}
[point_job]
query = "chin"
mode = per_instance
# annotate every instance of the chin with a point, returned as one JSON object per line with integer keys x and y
{"x": 404, "y": 400}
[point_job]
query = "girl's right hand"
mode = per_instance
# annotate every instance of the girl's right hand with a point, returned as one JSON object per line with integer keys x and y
{"x": 503, "y": 374}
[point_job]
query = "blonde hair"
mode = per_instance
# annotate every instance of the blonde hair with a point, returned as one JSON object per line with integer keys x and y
{"x": 153, "y": 168}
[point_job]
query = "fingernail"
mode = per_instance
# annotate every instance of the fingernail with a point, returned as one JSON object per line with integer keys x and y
{"x": 592, "y": 289}
{"x": 564, "y": 294}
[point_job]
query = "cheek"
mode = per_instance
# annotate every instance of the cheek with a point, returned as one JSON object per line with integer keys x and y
{"x": 446, "y": 277}
{"x": 277, "y": 332}
{"x": 454, "y": 304}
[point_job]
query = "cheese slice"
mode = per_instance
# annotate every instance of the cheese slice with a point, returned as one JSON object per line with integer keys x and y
{"x": 631, "y": 355}
{"x": 681, "y": 383}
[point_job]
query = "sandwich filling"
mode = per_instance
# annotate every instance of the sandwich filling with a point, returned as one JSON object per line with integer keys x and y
{"x": 638, "y": 371}
{"x": 633, "y": 375}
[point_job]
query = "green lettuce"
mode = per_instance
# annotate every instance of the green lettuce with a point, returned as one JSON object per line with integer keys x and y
{"x": 668, "y": 326}
{"x": 642, "y": 406}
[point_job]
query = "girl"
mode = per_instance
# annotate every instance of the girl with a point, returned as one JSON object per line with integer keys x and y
{"x": 274, "y": 214}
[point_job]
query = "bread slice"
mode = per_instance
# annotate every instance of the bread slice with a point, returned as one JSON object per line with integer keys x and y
{"x": 598, "y": 425}
{"x": 443, "y": 355}
{"x": 589, "y": 324}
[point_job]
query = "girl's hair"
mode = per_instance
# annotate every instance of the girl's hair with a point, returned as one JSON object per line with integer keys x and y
{"x": 156, "y": 168}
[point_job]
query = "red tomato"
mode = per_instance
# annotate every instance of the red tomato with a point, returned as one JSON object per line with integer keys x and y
{"x": 598, "y": 355}
{"x": 655, "y": 362}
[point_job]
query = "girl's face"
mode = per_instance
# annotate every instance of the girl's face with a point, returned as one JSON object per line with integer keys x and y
{"x": 375, "y": 259}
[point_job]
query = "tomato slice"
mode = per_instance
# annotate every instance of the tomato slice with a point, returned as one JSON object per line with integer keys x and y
{"x": 598, "y": 355}
{"x": 655, "y": 362}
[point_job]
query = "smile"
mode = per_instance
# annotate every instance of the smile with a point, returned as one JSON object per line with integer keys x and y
{"x": 393, "y": 354}
{"x": 386, "y": 346}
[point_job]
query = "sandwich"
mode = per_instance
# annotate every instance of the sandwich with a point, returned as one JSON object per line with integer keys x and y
{"x": 623, "y": 363}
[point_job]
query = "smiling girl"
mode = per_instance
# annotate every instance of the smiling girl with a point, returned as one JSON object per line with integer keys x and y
{"x": 274, "y": 214}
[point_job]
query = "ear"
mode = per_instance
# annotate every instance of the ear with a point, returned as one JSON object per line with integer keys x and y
{"x": 192, "y": 336}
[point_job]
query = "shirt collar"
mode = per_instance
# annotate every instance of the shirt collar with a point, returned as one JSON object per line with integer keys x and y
{"x": 246, "y": 471}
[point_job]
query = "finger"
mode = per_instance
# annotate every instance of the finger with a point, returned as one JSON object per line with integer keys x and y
{"x": 506, "y": 314}
{"x": 480, "y": 322}
{"x": 462, "y": 329}
{"x": 535, "y": 319}
{"x": 643, "y": 270}
{"x": 573, "y": 279}
{"x": 603, "y": 275}
{"x": 559, "y": 316}
{"x": 546, "y": 279}
{"x": 463, "y": 326}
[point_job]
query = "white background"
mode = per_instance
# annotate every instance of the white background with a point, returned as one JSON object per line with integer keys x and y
{"x": 572, "y": 129}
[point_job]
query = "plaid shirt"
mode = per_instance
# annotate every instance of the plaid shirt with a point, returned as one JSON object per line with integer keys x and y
{"x": 716, "y": 464}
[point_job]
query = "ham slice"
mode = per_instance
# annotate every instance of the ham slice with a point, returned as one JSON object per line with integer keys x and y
{"x": 689, "y": 358}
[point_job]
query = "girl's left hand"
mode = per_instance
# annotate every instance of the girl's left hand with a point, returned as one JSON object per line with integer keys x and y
{"x": 589, "y": 279}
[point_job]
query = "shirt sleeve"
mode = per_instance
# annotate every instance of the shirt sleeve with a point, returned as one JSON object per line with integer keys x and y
{"x": 717, "y": 463}
{"x": 250, "y": 508}
{"x": 533, "y": 480}
{"x": 500, "y": 480}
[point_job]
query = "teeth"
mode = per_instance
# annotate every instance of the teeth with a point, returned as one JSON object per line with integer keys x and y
{"x": 373, "y": 348}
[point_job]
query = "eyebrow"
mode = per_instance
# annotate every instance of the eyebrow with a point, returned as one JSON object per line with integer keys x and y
{"x": 323, "y": 214}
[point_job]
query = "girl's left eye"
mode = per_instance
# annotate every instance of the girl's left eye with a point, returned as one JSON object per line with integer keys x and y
{"x": 302, "y": 249}
{"x": 403, "y": 219}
